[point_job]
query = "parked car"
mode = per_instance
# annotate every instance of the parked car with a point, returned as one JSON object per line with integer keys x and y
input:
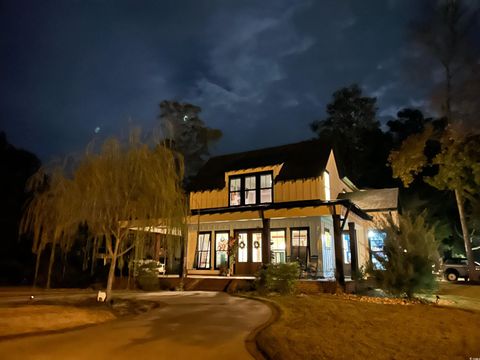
{"x": 455, "y": 268}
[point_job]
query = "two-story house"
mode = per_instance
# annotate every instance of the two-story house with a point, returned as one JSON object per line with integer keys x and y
{"x": 280, "y": 204}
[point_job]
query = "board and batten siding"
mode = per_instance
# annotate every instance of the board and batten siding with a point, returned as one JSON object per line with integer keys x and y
{"x": 283, "y": 191}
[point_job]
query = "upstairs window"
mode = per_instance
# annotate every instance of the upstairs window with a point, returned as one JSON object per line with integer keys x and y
{"x": 326, "y": 184}
{"x": 251, "y": 189}
{"x": 235, "y": 191}
{"x": 266, "y": 186}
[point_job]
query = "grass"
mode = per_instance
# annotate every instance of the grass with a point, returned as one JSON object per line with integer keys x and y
{"x": 52, "y": 315}
{"x": 336, "y": 327}
{"x": 25, "y": 319}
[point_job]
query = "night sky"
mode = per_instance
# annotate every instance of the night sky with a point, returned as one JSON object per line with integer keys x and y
{"x": 260, "y": 70}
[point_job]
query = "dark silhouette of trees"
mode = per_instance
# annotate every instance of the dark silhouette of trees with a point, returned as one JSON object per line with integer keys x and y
{"x": 352, "y": 129}
{"x": 16, "y": 166}
{"x": 187, "y": 134}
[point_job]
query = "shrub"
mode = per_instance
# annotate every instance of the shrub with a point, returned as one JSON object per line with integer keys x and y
{"x": 278, "y": 277}
{"x": 148, "y": 277}
{"x": 411, "y": 251}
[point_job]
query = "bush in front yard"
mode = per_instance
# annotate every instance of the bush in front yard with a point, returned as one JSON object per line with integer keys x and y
{"x": 411, "y": 251}
{"x": 278, "y": 277}
{"x": 148, "y": 277}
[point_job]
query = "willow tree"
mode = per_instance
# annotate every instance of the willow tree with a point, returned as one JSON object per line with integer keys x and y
{"x": 120, "y": 188}
{"x": 44, "y": 216}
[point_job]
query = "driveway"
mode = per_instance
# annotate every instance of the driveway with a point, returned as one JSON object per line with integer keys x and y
{"x": 187, "y": 325}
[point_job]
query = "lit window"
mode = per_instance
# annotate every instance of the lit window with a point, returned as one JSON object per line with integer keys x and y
{"x": 235, "y": 191}
{"x": 250, "y": 190}
{"x": 300, "y": 246}
{"x": 203, "y": 251}
{"x": 221, "y": 249}
{"x": 347, "y": 256}
{"x": 242, "y": 247}
{"x": 376, "y": 241}
{"x": 278, "y": 246}
{"x": 266, "y": 188}
{"x": 326, "y": 184}
{"x": 257, "y": 247}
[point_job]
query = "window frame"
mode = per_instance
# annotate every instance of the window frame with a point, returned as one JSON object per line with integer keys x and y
{"x": 209, "y": 265}
{"x": 292, "y": 258}
{"x": 243, "y": 189}
{"x": 372, "y": 252}
{"x": 215, "y": 267}
{"x": 285, "y": 239}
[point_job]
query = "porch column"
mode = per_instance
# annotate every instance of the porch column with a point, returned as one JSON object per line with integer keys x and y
{"x": 353, "y": 249}
{"x": 337, "y": 237}
{"x": 266, "y": 257}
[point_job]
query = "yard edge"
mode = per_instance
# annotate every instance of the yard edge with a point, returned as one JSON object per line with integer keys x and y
{"x": 251, "y": 341}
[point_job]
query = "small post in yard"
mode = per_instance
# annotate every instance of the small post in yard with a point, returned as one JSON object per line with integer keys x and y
{"x": 337, "y": 236}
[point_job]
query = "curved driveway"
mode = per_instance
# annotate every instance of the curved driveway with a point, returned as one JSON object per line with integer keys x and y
{"x": 188, "y": 325}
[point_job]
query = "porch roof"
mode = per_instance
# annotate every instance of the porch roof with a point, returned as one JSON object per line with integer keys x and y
{"x": 374, "y": 200}
{"x": 285, "y": 205}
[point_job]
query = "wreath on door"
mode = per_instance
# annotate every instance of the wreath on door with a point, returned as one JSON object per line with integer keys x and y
{"x": 241, "y": 245}
{"x": 256, "y": 244}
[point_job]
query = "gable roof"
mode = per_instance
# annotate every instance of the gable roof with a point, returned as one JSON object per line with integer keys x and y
{"x": 373, "y": 200}
{"x": 303, "y": 160}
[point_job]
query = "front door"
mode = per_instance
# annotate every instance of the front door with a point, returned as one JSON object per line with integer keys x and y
{"x": 249, "y": 253}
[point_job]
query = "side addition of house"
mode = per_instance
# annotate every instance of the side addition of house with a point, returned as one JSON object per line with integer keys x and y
{"x": 280, "y": 204}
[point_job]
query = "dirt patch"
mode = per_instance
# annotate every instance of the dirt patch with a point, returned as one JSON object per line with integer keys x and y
{"x": 338, "y": 327}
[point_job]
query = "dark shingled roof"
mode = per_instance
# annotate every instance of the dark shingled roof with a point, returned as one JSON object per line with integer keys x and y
{"x": 373, "y": 200}
{"x": 303, "y": 160}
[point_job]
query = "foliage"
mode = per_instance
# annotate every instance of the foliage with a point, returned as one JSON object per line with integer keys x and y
{"x": 411, "y": 251}
{"x": 278, "y": 277}
{"x": 410, "y": 159}
{"x": 148, "y": 277}
{"x": 446, "y": 34}
{"x": 187, "y": 133}
{"x": 133, "y": 185}
{"x": 458, "y": 164}
{"x": 353, "y": 131}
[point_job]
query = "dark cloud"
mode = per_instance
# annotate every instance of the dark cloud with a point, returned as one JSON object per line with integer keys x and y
{"x": 261, "y": 71}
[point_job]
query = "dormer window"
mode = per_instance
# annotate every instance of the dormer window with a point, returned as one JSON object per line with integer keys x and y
{"x": 251, "y": 189}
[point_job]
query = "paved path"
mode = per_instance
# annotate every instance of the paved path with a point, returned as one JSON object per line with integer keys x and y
{"x": 188, "y": 325}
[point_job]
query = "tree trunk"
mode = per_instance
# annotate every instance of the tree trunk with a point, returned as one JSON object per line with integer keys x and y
{"x": 111, "y": 272}
{"x": 50, "y": 264}
{"x": 37, "y": 266}
{"x": 466, "y": 239}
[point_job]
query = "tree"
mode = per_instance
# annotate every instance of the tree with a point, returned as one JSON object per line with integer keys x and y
{"x": 352, "y": 129}
{"x": 122, "y": 187}
{"x": 17, "y": 165}
{"x": 187, "y": 133}
{"x": 458, "y": 170}
{"x": 447, "y": 34}
{"x": 410, "y": 252}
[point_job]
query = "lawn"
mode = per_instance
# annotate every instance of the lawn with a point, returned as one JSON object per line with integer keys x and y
{"x": 18, "y": 320}
{"x": 337, "y": 327}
